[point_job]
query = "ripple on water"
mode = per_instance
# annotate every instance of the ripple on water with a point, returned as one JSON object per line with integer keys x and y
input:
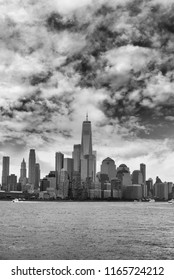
{"x": 81, "y": 230}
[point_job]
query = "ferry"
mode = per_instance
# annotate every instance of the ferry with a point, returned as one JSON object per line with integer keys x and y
{"x": 171, "y": 201}
{"x": 151, "y": 200}
{"x": 18, "y": 200}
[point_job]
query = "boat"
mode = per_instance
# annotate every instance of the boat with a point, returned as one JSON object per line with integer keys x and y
{"x": 18, "y": 200}
{"x": 151, "y": 200}
{"x": 171, "y": 201}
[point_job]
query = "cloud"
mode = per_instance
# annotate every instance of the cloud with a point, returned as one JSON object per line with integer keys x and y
{"x": 61, "y": 59}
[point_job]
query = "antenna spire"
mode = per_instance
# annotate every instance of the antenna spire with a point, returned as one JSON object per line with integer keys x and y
{"x": 87, "y": 116}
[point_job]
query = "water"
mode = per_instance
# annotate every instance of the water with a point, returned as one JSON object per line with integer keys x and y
{"x": 86, "y": 230}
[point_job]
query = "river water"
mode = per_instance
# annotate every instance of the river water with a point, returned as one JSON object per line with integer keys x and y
{"x": 86, "y": 230}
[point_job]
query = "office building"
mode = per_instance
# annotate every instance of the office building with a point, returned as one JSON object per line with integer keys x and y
{"x": 161, "y": 191}
{"x": 137, "y": 177}
{"x": 150, "y": 190}
{"x": 12, "y": 182}
{"x": 133, "y": 192}
{"x": 87, "y": 156}
{"x": 5, "y": 171}
{"x": 143, "y": 171}
{"x": 94, "y": 165}
{"x": 23, "y": 174}
{"x": 76, "y": 154}
{"x": 116, "y": 191}
{"x": 63, "y": 190}
{"x": 59, "y": 159}
{"x": 123, "y": 174}
{"x": 108, "y": 167}
{"x": 31, "y": 167}
{"x": 37, "y": 176}
{"x": 23, "y": 170}
{"x": 44, "y": 184}
{"x": 68, "y": 166}
{"x": 86, "y": 140}
{"x": 51, "y": 177}
{"x": 75, "y": 191}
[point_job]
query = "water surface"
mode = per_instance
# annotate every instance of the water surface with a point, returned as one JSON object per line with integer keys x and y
{"x": 86, "y": 230}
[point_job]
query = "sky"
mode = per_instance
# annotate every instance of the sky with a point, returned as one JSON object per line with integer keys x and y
{"x": 111, "y": 58}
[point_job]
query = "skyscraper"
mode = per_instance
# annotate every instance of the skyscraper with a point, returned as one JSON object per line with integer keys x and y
{"x": 137, "y": 177}
{"x": 23, "y": 174}
{"x": 59, "y": 158}
{"x": 108, "y": 167}
{"x": 37, "y": 176}
{"x": 5, "y": 171}
{"x": 31, "y": 167}
{"x": 59, "y": 161}
{"x": 68, "y": 166}
{"x": 23, "y": 170}
{"x": 76, "y": 157}
{"x": 12, "y": 182}
{"x": 86, "y": 141}
{"x": 143, "y": 171}
{"x": 87, "y": 156}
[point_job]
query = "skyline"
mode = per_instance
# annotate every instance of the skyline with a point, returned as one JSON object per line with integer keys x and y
{"x": 33, "y": 152}
{"x": 112, "y": 59}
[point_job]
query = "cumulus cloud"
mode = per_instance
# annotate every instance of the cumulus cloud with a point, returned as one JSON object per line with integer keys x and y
{"x": 61, "y": 59}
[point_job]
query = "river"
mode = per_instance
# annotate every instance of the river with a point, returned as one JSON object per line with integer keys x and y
{"x": 86, "y": 230}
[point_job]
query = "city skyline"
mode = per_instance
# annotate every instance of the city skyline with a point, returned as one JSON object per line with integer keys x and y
{"x": 110, "y": 58}
{"x": 60, "y": 159}
{"x": 56, "y": 160}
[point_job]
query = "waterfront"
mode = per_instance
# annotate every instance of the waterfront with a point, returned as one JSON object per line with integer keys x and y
{"x": 86, "y": 230}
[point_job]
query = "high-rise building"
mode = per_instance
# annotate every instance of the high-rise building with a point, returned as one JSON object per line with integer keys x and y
{"x": 23, "y": 170}
{"x": 23, "y": 174}
{"x": 76, "y": 157}
{"x": 63, "y": 191}
{"x": 87, "y": 156}
{"x": 86, "y": 140}
{"x": 137, "y": 177}
{"x": 51, "y": 177}
{"x": 59, "y": 161}
{"x": 149, "y": 184}
{"x": 108, "y": 167}
{"x": 44, "y": 184}
{"x": 161, "y": 191}
{"x": 37, "y": 176}
{"x": 12, "y": 182}
{"x": 31, "y": 167}
{"x": 94, "y": 165}
{"x": 59, "y": 158}
{"x": 5, "y": 171}
{"x": 68, "y": 166}
{"x": 143, "y": 171}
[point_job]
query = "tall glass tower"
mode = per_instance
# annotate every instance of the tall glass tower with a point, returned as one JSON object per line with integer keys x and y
{"x": 31, "y": 167}
{"x": 87, "y": 155}
{"x": 5, "y": 171}
{"x": 86, "y": 142}
{"x": 59, "y": 158}
{"x": 23, "y": 170}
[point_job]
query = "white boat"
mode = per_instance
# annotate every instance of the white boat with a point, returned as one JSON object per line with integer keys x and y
{"x": 151, "y": 200}
{"x": 171, "y": 201}
{"x": 18, "y": 200}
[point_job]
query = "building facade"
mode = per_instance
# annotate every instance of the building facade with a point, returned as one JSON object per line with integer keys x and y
{"x": 88, "y": 158}
{"x": 37, "y": 176}
{"x": 76, "y": 154}
{"x": 108, "y": 167}
{"x": 59, "y": 159}
{"x": 31, "y": 167}
{"x": 5, "y": 171}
